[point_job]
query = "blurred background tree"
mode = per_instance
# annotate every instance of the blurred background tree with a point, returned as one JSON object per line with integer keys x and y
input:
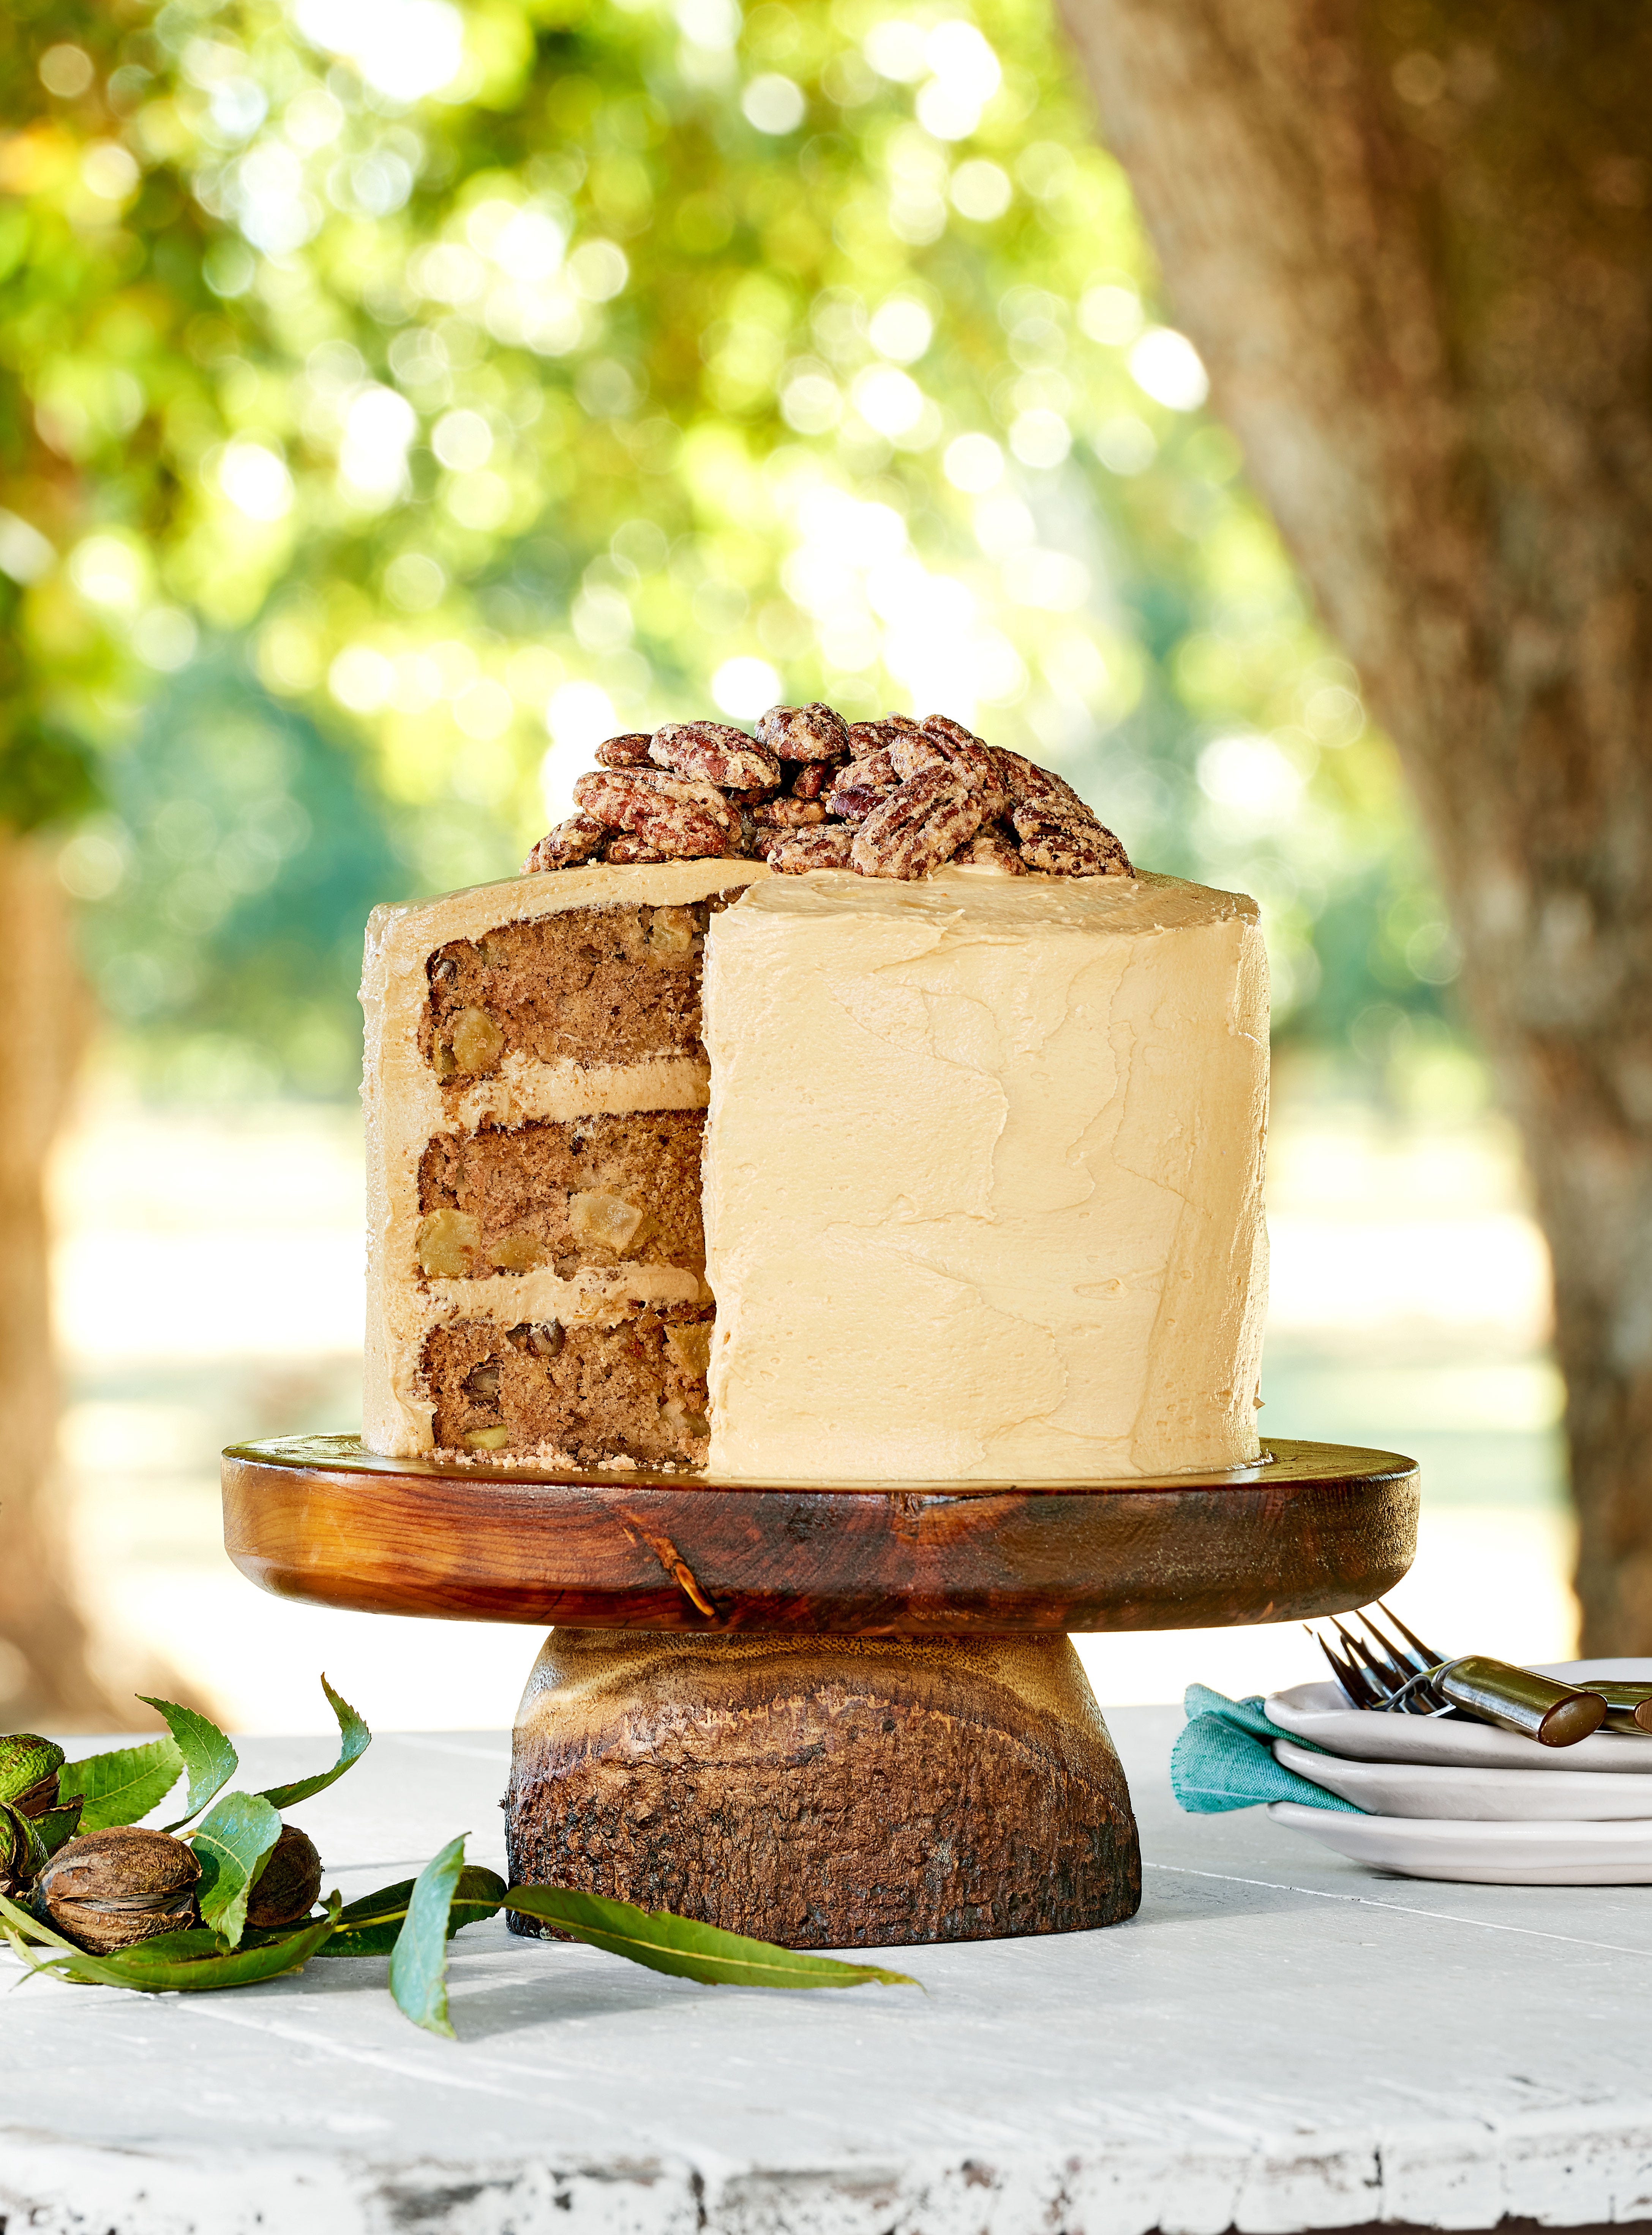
{"x": 397, "y": 399}
{"x": 1415, "y": 242}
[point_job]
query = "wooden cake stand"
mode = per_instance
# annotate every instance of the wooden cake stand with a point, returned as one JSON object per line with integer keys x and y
{"x": 841, "y": 1716}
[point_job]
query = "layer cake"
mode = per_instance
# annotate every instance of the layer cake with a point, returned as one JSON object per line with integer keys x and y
{"x": 958, "y": 1177}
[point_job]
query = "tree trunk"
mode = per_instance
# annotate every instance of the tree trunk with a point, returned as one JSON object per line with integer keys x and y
{"x": 1414, "y": 244}
{"x": 46, "y": 1676}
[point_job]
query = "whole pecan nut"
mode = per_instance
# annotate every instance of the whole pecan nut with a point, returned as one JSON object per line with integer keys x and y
{"x": 716, "y": 753}
{"x": 681, "y": 819}
{"x": 814, "y": 779}
{"x": 815, "y": 732}
{"x": 629, "y": 750}
{"x": 1067, "y": 849}
{"x": 1029, "y": 785}
{"x": 866, "y": 738}
{"x": 922, "y": 825}
{"x": 796, "y": 852}
{"x": 992, "y": 848}
{"x": 622, "y": 847}
{"x": 577, "y": 840}
{"x": 788, "y": 814}
{"x": 853, "y": 802}
{"x": 970, "y": 755}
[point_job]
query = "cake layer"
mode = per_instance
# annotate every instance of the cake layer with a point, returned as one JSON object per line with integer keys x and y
{"x": 983, "y": 1178}
{"x": 597, "y": 1191}
{"x": 608, "y": 983}
{"x": 506, "y": 1024}
{"x": 636, "y": 1389}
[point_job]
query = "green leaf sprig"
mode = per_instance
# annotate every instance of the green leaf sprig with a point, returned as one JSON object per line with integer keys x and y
{"x": 412, "y": 1922}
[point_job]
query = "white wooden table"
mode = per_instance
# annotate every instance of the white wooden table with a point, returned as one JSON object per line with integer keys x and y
{"x": 1279, "y": 2041}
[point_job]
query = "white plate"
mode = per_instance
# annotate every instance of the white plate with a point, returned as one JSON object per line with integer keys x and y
{"x": 1481, "y": 1854}
{"x": 1477, "y": 1796}
{"x": 1320, "y": 1713}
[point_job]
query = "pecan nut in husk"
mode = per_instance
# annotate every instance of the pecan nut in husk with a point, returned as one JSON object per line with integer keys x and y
{"x": 110, "y": 1889}
{"x": 289, "y": 1885}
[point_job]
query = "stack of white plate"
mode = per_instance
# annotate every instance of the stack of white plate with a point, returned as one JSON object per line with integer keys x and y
{"x": 1450, "y": 1799}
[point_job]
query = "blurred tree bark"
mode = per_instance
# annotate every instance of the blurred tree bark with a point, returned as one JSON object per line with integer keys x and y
{"x": 1414, "y": 244}
{"x": 45, "y": 1674}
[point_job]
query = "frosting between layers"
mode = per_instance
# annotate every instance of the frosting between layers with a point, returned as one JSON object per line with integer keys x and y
{"x": 983, "y": 1176}
{"x": 404, "y": 1106}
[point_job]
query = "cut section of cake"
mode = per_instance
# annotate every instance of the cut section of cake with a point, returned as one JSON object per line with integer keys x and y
{"x": 535, "y": 1087}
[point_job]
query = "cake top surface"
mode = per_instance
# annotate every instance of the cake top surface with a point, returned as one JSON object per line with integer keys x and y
{"x": 1142, "y": 904}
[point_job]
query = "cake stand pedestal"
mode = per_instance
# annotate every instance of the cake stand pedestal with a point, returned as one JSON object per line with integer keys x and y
{"x": 837, "y": 1716}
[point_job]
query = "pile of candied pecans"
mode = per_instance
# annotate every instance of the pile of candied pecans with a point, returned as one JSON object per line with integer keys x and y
{"x": 891, "y": 798}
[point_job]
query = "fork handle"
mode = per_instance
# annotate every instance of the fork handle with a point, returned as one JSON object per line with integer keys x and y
{"x": 1514, "y": 1700}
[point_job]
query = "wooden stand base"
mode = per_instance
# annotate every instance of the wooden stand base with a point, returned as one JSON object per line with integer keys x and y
{"x": 824, "y": 1792}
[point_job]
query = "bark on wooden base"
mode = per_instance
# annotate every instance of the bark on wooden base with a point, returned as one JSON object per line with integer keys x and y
{"x": 825, "y": 1793}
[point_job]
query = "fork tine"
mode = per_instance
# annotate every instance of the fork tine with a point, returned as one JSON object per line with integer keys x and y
{"x": 1431, "y": 1659}
{"x": 1397, "y": 1664}
{"x": 1361, "y": 1660}
{"x": 1352, "y": 1681}
{"x": 1412, "y": 1663}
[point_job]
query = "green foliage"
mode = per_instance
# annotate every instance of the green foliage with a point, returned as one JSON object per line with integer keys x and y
{"x": 232, "y": 1842}
{"x": 371, "y": 1925}
{"x": 207, "y": 1755}
{"x": 687, "y": 1948}
{"x": 192, "y": 1961}
{"x": 536, "y": 371}
{"x": 419, "y": 1959}
{"x": 123, "y": 1787}
{"x": 354, "y": 1738}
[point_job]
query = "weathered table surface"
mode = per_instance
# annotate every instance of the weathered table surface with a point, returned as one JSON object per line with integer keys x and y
{"x": 1280, "y": 2041}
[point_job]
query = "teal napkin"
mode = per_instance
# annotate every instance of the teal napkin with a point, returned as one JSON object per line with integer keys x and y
{"x": 1223, "y": 1759}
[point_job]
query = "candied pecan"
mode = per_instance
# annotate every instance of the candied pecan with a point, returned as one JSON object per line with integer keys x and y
{"x": 629, "y": 750}
{"x": 715, "y": 752}
{"x": 678, "y": 817}
{"x": 788, "y": 814}
{"x": 1029, "y": 785}
{"x": 866, "y": 738}
{"x": 910, "y": 753}
{"x": 947, "y": 740}
{"x": 853, "y": 802}
{"x": 570, "y": 842}
{"x": 751, "y": 795}
{"x": 993, "y": 847}
{"x": 795, "y": 852}
{"x": 1067, "y": 849}
{"x": 812, "y": 779}
{"x": 622, "y": 847}
{"x": 922, "y": 825}
{"x": 815, "y": 732}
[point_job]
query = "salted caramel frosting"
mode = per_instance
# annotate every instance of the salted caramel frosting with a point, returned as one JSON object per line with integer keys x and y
{"x": 983, "y": 1171}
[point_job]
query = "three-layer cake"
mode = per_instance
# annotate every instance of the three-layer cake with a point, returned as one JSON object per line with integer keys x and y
{"x": 957, "y": 1176}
